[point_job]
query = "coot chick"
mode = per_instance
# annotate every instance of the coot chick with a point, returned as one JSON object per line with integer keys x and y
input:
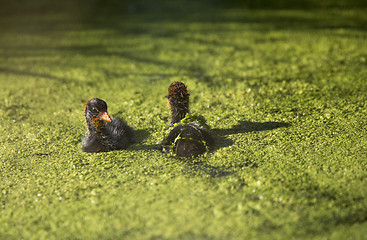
{"x": 188, "y": 135}
{"x": 105, "y": 134}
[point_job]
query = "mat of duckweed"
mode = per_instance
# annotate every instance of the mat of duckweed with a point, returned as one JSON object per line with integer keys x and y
{"x": 284, "y": 92}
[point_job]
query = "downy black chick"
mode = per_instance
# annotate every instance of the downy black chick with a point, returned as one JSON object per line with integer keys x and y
{"x": 105, "y": 134}
{"x": 188, "y": 135}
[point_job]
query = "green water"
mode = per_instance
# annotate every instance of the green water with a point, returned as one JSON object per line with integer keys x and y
{"x": 284, "y": 92}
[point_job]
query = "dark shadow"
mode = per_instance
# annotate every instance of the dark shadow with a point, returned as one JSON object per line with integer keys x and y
{"x": 17, "y": 112}
{"x": 198, "y": 167}
{"x": 221, "y": 142}
{"x": 243, "y": 127}
{"x": 36, "y": 75}
{"x": 305, "y": 16}
{"x": 247, "y": 126}
{"x": 219, "y": 134}
{"x": 141, "y": 135}
{"x": 140, "y": 18}
{"x": 138, "y": 146}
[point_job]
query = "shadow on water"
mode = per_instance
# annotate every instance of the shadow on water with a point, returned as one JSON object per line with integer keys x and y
{"x": 141, "y": 135}
{"x": 198, "y": 166}
{"x": 247, "y": 126}
{"x": 130, "y": 19}
{"x": 261, "y": 13}
{"x": 244, "y": 127}
{"x": 35, "y": 75}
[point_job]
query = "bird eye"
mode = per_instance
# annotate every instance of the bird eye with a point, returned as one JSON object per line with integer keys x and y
{"x": 94, "y": 110}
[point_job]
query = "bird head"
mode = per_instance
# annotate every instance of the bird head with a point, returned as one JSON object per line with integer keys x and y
{"x": 96, "y": 113}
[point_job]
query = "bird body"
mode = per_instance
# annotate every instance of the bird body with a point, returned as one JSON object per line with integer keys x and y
{"x": 188, "y": 138}
{"x": 105, "y": 134}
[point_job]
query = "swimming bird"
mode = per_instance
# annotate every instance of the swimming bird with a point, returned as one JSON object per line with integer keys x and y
{"x": 105, "y": 134}
{"x": 188, "y": 135}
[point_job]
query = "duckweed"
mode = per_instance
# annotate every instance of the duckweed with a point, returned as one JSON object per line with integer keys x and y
{"x": 283, "y": 90}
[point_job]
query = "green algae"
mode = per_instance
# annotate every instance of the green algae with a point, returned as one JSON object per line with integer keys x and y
{"x": 283, "y": 92}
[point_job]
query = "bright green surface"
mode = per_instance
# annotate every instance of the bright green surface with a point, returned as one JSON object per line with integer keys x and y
{"x": 284, "y": 91}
